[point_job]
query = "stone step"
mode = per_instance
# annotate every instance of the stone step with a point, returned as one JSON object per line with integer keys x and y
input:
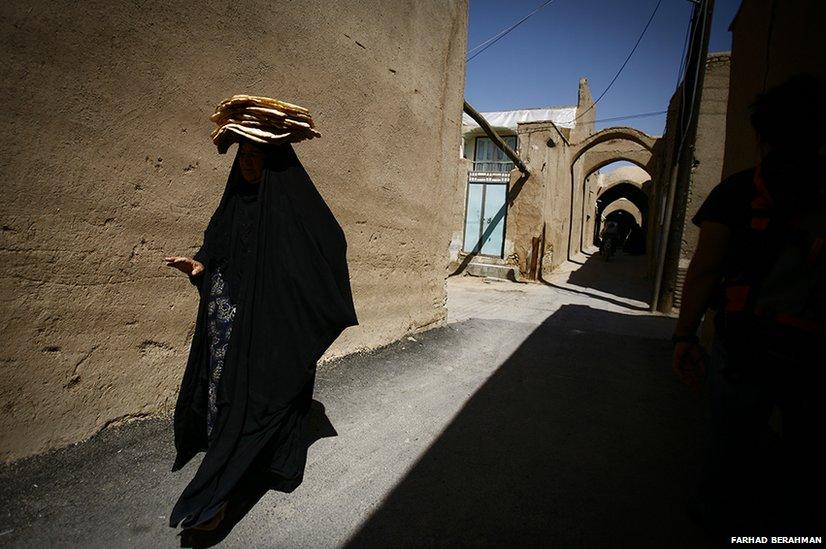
{"x": 504, "y": 272}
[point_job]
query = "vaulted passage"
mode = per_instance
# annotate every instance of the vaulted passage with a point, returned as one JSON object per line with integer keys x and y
{"x": 624, "y": 194}
{"x": 627, "y": 204}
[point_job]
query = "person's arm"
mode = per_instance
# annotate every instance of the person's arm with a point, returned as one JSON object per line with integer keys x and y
{"x": 703, "y": 275}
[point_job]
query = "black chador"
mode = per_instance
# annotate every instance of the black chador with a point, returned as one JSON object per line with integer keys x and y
{"x": 274, "y": 294}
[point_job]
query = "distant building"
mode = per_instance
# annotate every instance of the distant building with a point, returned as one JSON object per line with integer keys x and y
{"x": 495, "y": 232}
{"x": 518, "y": 226}
{"x": 489, "y": 173}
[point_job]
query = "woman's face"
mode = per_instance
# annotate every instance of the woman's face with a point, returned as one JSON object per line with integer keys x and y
{"x": 251, "y": 159}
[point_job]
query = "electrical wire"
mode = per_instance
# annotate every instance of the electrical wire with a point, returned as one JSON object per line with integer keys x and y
{"x": 700, "y": 65}
{"x": 682, "y": 53}
{"x": 624, "y": 63}
{"x": 493, "y": 39}
{"x": 630, "y": 116}
{"x": 694, "y": 27}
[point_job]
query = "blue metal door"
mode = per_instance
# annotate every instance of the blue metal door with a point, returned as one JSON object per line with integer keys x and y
{"x": 485, "y": 218}
{"x": 493, "y": 220}
{"x": 473, "y": 217}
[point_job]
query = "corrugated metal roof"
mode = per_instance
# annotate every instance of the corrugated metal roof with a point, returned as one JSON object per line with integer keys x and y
{"x": 561, "y": 116}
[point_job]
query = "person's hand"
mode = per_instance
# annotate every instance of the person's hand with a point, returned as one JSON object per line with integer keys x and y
{"x": 689, "y": 364}
{"x": 186, "y": 265}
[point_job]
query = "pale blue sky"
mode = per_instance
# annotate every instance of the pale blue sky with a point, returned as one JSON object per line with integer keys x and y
{"x": 540, "y": 62}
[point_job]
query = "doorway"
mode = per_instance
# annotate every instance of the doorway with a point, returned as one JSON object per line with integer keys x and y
{"x": 487, "y": 192}
{"x": 484, "y": 218}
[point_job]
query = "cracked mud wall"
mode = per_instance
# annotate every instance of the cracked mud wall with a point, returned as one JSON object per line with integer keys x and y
{"x": 108, "y": 167}
{"x": 525, "y": 210}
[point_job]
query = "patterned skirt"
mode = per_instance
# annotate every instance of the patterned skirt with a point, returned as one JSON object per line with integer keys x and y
{"x": 220, "y": 314}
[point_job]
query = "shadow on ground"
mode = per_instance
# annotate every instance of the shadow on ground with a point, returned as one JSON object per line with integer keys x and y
{"x": 581, "y": 438}
{"x": 115, "y": 483}
{"x": 622, "y": 276}
{"x": 253, "y": 487}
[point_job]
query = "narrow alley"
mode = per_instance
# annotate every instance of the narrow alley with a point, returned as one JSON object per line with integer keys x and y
{"x": 540, "y": 414}
{"x": 420, "y": 273}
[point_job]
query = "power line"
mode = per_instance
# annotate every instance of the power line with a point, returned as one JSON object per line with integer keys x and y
{"x": 493, "y": 39}
{"x": 687, "y": 54}
{"x": 682, "y": 53}
{"x": 630, "y": 116}
{"x": 694, "y": 91}
{"x": 624, "y": 63}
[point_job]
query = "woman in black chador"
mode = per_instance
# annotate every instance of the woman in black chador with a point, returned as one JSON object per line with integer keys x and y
{"x": 275, "y": 293}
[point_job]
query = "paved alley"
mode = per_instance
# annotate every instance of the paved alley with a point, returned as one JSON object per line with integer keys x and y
{"x": 542, "y": 414}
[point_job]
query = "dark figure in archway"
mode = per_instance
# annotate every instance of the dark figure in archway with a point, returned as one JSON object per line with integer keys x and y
{"x": 609, "y": 239}
{"x": 639, "y": 199}
{"x": 627, "y": 225}
{"x": 761, "y": 263}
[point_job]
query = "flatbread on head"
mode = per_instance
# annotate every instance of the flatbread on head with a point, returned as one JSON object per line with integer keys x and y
{"x": 261, "y": 120}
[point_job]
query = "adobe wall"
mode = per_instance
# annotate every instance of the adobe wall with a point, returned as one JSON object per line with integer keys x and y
{"x": 108, "y": 167}
{"x": 708, "y": 146}
{"x": 457, "y": 236}
{"x": 541, "y": 203}
{"x": 592, "y": 185}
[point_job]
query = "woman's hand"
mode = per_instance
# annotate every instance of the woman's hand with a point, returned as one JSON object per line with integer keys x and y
{"x": 186, "y": 265}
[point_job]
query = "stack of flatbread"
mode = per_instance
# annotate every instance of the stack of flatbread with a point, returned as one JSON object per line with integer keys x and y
{"x": 261, "y": 120}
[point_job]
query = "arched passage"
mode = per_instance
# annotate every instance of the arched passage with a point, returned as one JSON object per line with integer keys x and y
{"x": 598, "y": 150}
{"x": 619, "y": 134}
{"x": 625, "y": 205}
{"x": 635, "y": 175}
{"x": 618, "y": 198}
{"x": 623, "y": 190}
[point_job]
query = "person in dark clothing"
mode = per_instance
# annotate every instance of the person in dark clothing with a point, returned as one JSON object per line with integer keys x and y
{"x": 275, "y": 293}
{"x": 761, "y": 266}
{"x": 609, "y": 238}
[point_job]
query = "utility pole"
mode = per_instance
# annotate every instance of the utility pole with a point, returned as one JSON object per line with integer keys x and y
{"x": 685, "y": 134}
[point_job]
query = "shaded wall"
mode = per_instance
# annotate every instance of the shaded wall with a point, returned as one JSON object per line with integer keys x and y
{"x": 703, "y": 161}
{"x": 108, "y": 167}
{"x": 592, "y": 185}
{"x": 771, "y": 41}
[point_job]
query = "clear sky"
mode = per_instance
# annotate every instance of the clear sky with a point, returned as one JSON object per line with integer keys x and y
{"x": 540, "y": 62}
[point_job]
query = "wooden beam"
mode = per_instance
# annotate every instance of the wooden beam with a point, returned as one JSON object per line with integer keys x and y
{"x": 473, "y": 113}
